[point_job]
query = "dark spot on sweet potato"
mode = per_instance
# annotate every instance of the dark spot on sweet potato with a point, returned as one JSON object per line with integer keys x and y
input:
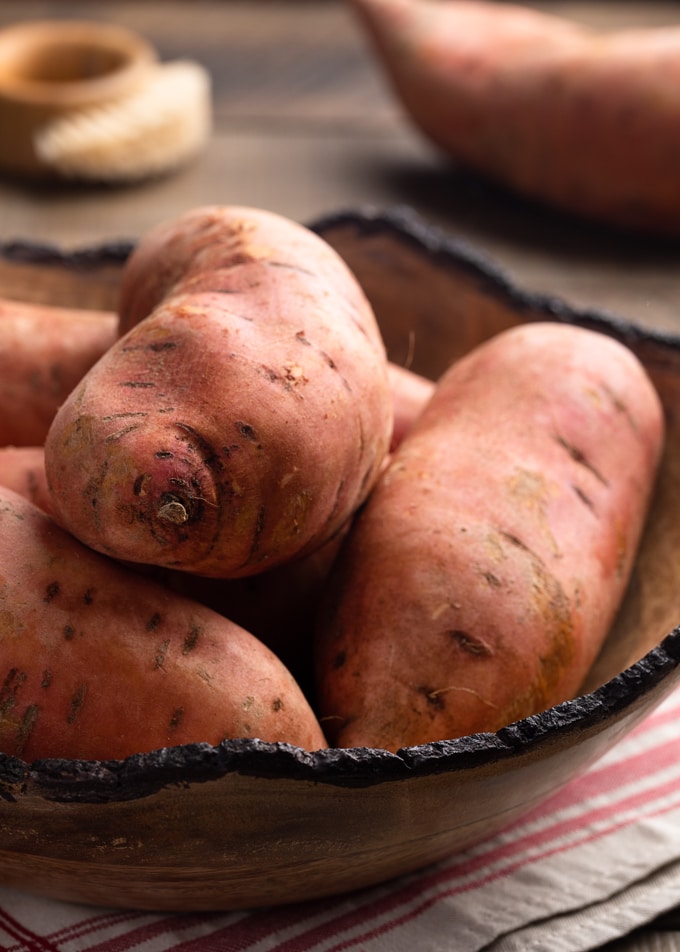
{"x": 246, "y": 431}
{"x": 492, "y": 579}
{"x": 579, "y": 457}
{"x": 46, "y": 679}
{"x": 514, "y": 540}
{"x": 88, "y": 597}
{"x": 191, "y": 639}
{"x": 176, "y": 719}
{"x": 138, "y": 484}
{"x": 69, "y": 632}
{"x": 155, "y": 620}
{"x": 14, "y": 679}
{"x": 277, "y": 704}
{"x": 77, "y": 703}
{"x": 470, "y": 643}
{"x": 164, "y": 454}
{"x": 165, "y": 345}
{"x": 302, "y": 339}
{"x": 138, "y": 384}
{"x": 26, "y": 727}
{"x": 228, "y": 450}
{"x": 51, "y": 592}
{"x": 586, "y": 500}
{"x": 339, "y": 660}
{"x": 161, "y": 654}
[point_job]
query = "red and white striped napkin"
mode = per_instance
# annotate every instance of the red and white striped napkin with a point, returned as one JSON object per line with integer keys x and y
{"x": 598, "y": 859}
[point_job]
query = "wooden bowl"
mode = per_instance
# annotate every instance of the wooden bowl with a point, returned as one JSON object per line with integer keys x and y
{"x": 247, "y": 824}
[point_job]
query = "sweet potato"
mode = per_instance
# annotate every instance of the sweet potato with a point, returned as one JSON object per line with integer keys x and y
{"x": 278, "y": 606}
{"x": 100, "y": 663}
{"x": 244, "y": 419}
{"x": 586, "y": 121}
{"x": 22, "y": 469}
{"x": 479, "y": 581}
{"x": 410, "y": 393}
{"x": 44, "y": 352}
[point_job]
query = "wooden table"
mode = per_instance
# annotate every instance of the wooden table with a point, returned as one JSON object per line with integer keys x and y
{"x": 305, "y": 125}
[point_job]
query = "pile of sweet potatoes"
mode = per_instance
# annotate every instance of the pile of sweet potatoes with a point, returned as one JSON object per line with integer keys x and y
{"x": 244, "y": 521}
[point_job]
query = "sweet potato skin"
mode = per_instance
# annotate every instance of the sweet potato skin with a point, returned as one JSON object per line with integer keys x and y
{"x": 585, "y": 121}
{"x": 479, "y": 581}
{"x": 22, "y": 469}
{"x": 242, "y": 421}
{"x": 44, "y": 351}
{"x": 410, "y": 392}
{"x": 100, "y": 663}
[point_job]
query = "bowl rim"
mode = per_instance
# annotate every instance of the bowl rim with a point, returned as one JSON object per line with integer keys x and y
{"x": 143, "y": 774}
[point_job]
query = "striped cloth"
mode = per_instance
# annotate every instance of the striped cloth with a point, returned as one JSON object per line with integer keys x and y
{"x": 598, "y": 859}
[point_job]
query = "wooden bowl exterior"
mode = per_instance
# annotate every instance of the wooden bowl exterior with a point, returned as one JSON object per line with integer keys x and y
{"x": 247, "y": 824}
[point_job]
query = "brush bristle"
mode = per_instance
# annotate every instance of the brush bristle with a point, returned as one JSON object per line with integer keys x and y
{"x": 161, "y": 126}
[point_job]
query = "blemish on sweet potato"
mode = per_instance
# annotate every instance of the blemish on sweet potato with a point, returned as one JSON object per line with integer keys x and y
{"x": 26, "y": 727}
{"x": 191, "y": 640}
{"x": 77, "y": 703}
{"x": 51, "y": 592}
{"x": 161, "y": 654}
{"x": 470, "y": 644}
{"x": 492, "y": 579}
{"x": 14, "y": 679}
{"x": 246, "y": 431}
{"x": 138, "y": 485}
{"x": 157, "y": 347}
{"x": 579, "y": 457}
{"x": 585, "y": 499}
{"x": 154, "y": 622}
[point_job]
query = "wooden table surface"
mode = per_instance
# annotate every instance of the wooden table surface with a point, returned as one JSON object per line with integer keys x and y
{"x": 304, "y": 125}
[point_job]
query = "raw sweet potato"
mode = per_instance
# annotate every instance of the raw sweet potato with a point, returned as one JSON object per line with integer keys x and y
{"x": 278, "y": 606}
{"x": 244, "y": 419}
{"x": 100, "y": 663}
{"x": 22, "y": 469}
{"x": 410, "y": 393}
{"x": 479, "y": 581}
{"x": 44, "y": 352}
{"x": 584, "y": 120}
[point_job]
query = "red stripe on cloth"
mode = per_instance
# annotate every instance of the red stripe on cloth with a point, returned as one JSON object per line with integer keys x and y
{"x": 93, "y": 924}
{"x": 158, "y": 928}
{"x": 29, "y": 941}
